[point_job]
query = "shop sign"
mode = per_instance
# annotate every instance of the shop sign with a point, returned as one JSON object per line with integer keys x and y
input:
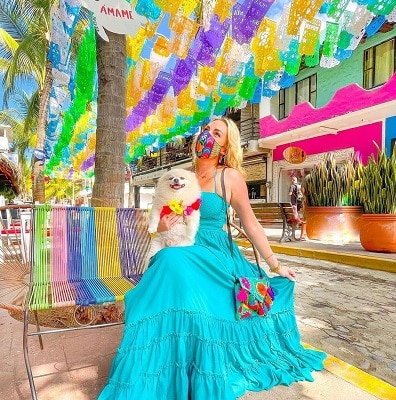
{"x": 294, "y": 155}
{"x": 116, "y": 16}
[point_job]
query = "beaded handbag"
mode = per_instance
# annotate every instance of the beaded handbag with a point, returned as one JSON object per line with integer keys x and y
{"x": 253, "y": 295}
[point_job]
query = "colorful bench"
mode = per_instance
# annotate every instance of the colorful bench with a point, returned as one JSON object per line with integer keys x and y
{"x": 82, "y": 257}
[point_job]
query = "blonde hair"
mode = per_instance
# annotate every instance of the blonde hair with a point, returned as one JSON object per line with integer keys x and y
{"x": 234, "y": 154}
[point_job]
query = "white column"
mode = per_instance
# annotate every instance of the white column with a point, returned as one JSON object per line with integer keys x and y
{"x": 265, "y": 107}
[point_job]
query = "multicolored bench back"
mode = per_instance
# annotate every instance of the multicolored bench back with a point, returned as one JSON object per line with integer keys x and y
{"x": 86, "y": 255}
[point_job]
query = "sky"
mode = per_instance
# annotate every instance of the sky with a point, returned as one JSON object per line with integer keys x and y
{"x": 26, "y": 86}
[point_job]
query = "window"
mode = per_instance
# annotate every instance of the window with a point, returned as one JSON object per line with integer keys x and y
{"x": 257, "y": 190}
{"x": 378, "y": 64}
{"x": 301, "y": 92}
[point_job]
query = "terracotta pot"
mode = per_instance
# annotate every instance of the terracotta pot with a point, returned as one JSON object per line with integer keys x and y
{"x": 378, "y": 232}
{"x": 333, "y": 224}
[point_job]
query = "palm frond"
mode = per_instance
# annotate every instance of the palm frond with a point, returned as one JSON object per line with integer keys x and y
{"x": 43, "y": 6}
{"x": 19, "y": 102}
{"x": 10, "y": 117}
{"x": 32, "y": 113}
{"x": 22, "y": 118}
{"x": 14, "y": 17}
{"x": 3, "y": 65}
{"x": 8, "y": 46}
{"x": 28, "y": 61}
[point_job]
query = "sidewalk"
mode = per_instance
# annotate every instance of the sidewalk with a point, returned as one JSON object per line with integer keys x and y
{"x": 347, "y": 253}
{"x": 74, "y": 365}
{"x": 350, "y": 254}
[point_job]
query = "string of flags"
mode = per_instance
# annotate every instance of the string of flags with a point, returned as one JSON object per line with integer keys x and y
{"x": 189, "y": 60}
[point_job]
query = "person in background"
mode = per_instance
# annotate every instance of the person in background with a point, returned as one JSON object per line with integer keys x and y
{"x": 297, "y": 200}
{"x": 181, "y": 338}
{"x": 295, "y": 193}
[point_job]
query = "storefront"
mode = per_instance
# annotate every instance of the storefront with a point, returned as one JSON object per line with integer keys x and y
{"x": 355, "y": 121}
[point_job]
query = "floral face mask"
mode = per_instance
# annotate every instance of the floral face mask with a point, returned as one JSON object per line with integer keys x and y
{"x": 206, "y": 145}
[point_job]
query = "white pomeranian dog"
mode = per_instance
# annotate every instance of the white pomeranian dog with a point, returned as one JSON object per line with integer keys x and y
{"x": 177, "y": 191}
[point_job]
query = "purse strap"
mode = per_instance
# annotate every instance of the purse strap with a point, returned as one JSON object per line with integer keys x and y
{"x": 228, "y": 218}
{"x": 228, "y": 222}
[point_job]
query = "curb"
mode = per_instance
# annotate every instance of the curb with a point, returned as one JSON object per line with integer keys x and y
{"x": 361, "y": 379}
{"x": 356, "y": 260}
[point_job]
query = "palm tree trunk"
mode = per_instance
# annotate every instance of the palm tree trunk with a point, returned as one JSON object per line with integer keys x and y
{"x": 108, "y": 189}
{"x": 38, "y": 159}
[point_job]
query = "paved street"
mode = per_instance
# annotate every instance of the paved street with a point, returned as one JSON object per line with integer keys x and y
{"x": 346, "y": 311}
{"x": 349, "y": 313}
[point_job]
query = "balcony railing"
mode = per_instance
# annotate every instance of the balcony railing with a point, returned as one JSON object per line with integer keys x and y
{"x": 179, "y": 153}
{"x": 166, "y": 157}
{"x": 250, "y": 130}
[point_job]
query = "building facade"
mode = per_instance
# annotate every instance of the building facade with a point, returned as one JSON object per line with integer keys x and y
{"x": 346, "y": 109}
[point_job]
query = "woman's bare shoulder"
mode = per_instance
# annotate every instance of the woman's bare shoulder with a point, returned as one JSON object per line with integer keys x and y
{"x": 234, "y": 174}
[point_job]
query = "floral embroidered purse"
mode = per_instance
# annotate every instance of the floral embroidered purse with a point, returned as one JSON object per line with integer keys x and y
{"x": 253, "y": 295}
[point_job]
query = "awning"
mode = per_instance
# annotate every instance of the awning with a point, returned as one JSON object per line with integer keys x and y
{"x": 10, "y": 175}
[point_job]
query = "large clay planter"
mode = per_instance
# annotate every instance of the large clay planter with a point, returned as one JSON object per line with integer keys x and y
{"x": 378, "y": 232}
{"x": 333, "y": 224}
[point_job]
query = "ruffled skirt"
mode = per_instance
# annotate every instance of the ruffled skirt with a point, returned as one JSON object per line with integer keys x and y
{"x": 182, "y": 341}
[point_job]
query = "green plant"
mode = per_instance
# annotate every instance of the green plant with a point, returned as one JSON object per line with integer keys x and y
{"x": 6, "y": 191}
{"x": 331, "y": 185}
{"x": 378, "y": 184}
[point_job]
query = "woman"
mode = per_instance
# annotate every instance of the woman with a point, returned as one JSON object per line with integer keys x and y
{"x": 294, "y": 191}
{"x": 181, "y": 338}
{"x": 297, "y": 205}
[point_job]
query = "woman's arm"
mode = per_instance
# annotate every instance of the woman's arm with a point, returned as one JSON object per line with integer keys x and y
{"x": 237, "y": 195}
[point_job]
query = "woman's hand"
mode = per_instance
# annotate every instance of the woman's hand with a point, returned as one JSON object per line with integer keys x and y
{"x": 167, "y": 222}
{"x": 287, "y": 272}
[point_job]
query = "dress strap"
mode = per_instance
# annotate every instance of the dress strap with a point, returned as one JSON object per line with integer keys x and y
{"x": 215, "y": 179}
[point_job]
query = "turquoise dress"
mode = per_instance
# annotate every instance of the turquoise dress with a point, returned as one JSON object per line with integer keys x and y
{"x": 181, "y": 338}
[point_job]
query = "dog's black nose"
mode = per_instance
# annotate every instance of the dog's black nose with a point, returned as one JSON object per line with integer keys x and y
{"x": 176, "y": 180}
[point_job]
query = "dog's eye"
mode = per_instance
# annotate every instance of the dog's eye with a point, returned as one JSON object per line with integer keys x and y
{"x": 171, "y": 178}
{"x": 182, "y": 178}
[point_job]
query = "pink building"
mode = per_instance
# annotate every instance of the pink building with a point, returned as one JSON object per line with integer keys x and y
{"x": 351, "y": 122}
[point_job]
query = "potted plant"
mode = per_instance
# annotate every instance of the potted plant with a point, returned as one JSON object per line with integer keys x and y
{"x": 332, "y": 204}
{"x": 378, "y": 194}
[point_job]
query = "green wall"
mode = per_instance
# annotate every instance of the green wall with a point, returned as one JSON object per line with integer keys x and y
{"x": 349, "y": 71}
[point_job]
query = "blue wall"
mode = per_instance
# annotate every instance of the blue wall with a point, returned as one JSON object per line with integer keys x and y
{"x": 390, "y": 133}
